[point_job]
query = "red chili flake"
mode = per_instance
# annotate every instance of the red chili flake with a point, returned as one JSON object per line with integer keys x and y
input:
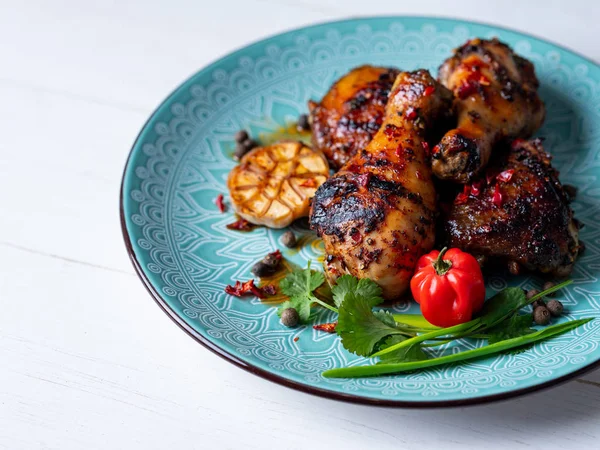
{"x": 436, "y": 149}
{"x": 505, "y": 176}
{"x": 426, "y": 147}
{"x": 353, "y": 168}
{"x": 484, "y": 81}
{"x": 219, "y": 203}
{"x": 309, "y": 182}
{"x": 463, "y": 196}
{"x": 296, "y": 339}
{"x": 497, "y": 198}
{"x": 476, "y": 187}
{"x": 399, "y": 150}
{"x": 239, "y": 289}
{"x": 269, "y": 289}
{"x": 326, "y": 327}
{"x": 356, "y": 236}
{"x": 240, "y": 225}
{"x": 411, "y": 113}
{"x": 273, "y": 258}
{"x": 466, "y": 88}
{"x": 390, "y": 131}
{"x": 428, "y": 91}
{"x": 363, "y": 180}
{"x": 517, "y": 142}
{"x": 461, "y": 199}
{"x": 418, "y": 175}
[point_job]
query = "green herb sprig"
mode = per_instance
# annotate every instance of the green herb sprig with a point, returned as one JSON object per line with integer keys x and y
{"x": 400, "y": 340}
{"x": 299, "y": 286}
{"x": 383, "y": 369}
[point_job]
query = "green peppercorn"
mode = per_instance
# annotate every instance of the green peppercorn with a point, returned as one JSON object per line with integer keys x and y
{"x": 289, "y": 317}
{"x": 548, "y": 285}
{"x": 288, "y": 239}
{"x": 532, "y": 293}
{"x": 555, "y": 307}
{"x": 541, "y": 315}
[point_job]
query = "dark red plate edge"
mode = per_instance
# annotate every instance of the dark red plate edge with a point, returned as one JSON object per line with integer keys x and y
{"x": 348, "y": 398}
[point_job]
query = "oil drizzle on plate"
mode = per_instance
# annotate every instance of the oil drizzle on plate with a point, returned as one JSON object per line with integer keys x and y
{"x": 289, "y": 132}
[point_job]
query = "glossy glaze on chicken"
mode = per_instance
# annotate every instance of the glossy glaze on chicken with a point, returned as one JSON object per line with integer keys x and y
{"x": 351, "y": 112}
{"x": 377, "y": 214}
{"x": 517, "y": 213}
{"x": 496, "y": 99}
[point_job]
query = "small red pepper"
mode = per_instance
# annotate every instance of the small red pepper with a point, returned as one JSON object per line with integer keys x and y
{"x": 449, "y": 287}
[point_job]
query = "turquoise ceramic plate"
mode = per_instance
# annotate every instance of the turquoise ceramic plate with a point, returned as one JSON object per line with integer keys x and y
{"x": 185, "y": 255}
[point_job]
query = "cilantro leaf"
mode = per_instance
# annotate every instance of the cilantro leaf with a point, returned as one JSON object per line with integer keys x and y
{"x": 359, "y": 328}
{"x": 363, "y": 288}
{"x": 406, "y": 354}
{"x": 515, "y": 326}
{"x": 343, "y": 285}
{"x": 302, "y": 281}
{"x": 386, "y": 317}
{"x": 299, "y": 285}
{"x": 501, "y": 305}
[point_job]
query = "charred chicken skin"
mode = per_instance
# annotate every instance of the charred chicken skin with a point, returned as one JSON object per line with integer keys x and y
{"x": 351, "y": 112}
{"x": 377, "y": 214}
{"x": 496, "y": 99}
{"x": 517, "y": 213}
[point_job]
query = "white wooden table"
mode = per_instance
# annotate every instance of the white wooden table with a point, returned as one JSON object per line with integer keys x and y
{"x": 87, "y": 360}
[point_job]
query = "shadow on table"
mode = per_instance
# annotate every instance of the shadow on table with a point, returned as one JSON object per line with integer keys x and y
{"x": 567, "y": 416}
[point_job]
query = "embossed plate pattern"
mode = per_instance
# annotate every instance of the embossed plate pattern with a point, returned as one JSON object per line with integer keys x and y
{"x": 185, "y": 255}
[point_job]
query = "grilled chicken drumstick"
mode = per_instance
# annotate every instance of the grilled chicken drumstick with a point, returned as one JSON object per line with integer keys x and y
{"x": 496, "y": 99}
{"x": 351, "y": 112}
{"x": 518, "y": 213}
{"x": 376, "y": 215}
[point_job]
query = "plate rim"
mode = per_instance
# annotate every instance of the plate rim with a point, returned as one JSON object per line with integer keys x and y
{"x": 281, "y": 380}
